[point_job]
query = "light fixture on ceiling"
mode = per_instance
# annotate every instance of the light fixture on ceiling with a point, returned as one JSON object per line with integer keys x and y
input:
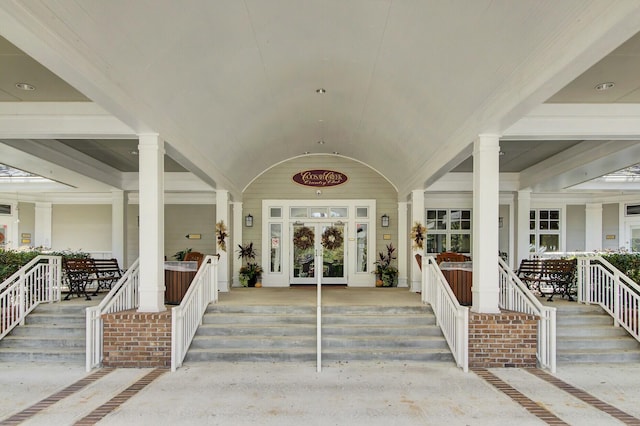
{"x": 25, "y": 86}
{"x": 134, "y": 152}
{"x": 336, "y": 152}
{"x": 306, "y": 153}
{"x": 321, "y": 90}
{"x": 320, "y": 142}
{"x": 500, "y": 153}
{"x": 604, "y": 86}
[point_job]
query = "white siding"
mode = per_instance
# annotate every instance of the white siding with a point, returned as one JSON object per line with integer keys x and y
{"x": 83, "y": 227}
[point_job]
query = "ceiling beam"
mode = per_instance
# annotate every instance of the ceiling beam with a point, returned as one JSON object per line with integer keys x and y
{"x": 580, "y": 163}
{"x": 64, "y": 156}
{"x": 578, "y": 121}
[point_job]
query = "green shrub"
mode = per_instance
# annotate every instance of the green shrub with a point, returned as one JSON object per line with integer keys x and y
{"x": 12, "y": 260}
{"x": 627, "y": 263}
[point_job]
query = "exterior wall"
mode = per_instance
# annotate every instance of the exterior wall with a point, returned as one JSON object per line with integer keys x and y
{"x": 133, "y": 233}
{"x": 507, "y": 339}
{"x": 576, "y": 227}
{"x": 137, "y": 340}
{"x": 27, "y": 223}
{"x": 610, "y": 226}
{"x": 363, "y": 183}
{"x": 183, "y": 219}
{"x": 83, "y": 227}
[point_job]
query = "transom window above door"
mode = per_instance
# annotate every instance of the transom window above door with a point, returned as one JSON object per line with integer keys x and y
{"x": 318, "y": 212}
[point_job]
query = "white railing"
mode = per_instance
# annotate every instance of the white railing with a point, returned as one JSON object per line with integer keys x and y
{"x": 452, "y": 318}
{"x": 319, "y": 259}
{"x": 37, "y": 282}
{"x": 515, "y": 296}
{"x": 187, "y": 317}
{"x": 124, "y": 295}
{"x": 602, "y": 283}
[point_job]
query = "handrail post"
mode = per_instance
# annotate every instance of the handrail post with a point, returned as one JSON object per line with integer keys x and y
{"x": 319, "y": 272}
{"x": 22, "y": 298}
{"x": 616, "y": 298}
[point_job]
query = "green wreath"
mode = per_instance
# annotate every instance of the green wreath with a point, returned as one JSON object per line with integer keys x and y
{"x": 332, "y": 238}
{"x": 303, "y": 238}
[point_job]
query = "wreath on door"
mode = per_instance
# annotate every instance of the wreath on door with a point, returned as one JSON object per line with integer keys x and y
{"x": 332, "y": 238}
{"x": 303, "y": 238}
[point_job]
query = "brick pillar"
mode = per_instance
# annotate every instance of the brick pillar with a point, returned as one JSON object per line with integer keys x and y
{"x": 137, "y": 339}
{"x": 506, "y": 339}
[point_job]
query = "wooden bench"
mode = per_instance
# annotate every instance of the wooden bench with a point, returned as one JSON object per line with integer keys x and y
{"x": 549, "y": 276}
{"x": 81, "y": 273}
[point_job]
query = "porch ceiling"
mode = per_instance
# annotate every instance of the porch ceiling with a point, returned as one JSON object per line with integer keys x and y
{"x": 232, "y": 85}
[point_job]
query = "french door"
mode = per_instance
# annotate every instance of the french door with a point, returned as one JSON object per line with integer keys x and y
{"x": 320, "y": 237}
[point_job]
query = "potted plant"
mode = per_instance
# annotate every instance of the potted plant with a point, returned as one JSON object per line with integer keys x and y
{"x": 250, "y": 271}
{"x": 386, "y": 273}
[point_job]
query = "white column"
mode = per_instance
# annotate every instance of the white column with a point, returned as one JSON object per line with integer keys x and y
{"x": 417, "y": 215}
{"x": 119, "y": 227}
{"x": 43, "y": 225}
{"x": 403, "y": 244}
{"x": 486, "y": 202}
{"x": 222, "y": 214}
{"x": 151, "y": 176}
{"x": 524, "y": 207}
{"x": 593, "y": 231}
{"x": 237, "y": 239}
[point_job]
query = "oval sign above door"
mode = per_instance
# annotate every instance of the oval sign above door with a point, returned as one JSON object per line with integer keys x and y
{"x": 320, "y": 178}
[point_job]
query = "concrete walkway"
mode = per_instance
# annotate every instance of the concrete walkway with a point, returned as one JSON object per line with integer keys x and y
{"x": 295, "y": 394}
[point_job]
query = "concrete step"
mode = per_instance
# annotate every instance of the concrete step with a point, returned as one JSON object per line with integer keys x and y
{"x": 42, "y": 355}
{"x": 425, "y": 355}
{"x": 585, "y": 334}
{"x": 288, "y": 333}
{"x": 600, "y": 343}
{"x": 590, "y": 331}
{"x": 383, "y": 342}
{"x": 52, "y": 333}
{"x": 590, "y": 356}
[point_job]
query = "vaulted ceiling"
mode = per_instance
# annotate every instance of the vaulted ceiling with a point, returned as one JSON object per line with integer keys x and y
{"x": 232, "y": 86}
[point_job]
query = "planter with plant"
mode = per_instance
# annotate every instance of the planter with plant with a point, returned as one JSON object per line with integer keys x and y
{"x": 386, "y": 273}
{"x": 250, "y": 271}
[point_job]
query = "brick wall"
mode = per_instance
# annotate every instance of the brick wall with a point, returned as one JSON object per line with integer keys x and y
{"x": 137, "y": 339}
{"x": 507, "y": 339}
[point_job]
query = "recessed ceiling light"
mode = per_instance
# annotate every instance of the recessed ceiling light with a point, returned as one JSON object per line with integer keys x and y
{"x": 336, "y": 152}
{"x": 321, "y": 90}
{"x": 605, "y": 86}
{"x": 320, "y": 142}
{"x": 306, "y": 153}
{"x": 134, "y": 152}
{"x": 25, "y": 86}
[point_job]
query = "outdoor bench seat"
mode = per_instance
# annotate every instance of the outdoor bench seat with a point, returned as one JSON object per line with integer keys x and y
{"x": 549, "y": 276}
{"x": 81, "y": 273}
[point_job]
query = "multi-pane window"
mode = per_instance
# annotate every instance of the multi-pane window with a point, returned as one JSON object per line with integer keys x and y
{"x": 544, "y": 230}
{"x": 448, "y": 230}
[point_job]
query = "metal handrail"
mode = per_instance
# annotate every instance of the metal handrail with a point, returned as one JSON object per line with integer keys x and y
{"x": 124, "y": 295}
{"x": 319, "y": 261}
{"x": 187, "y": 317}
{"x": 515, "y": 296}
{"x": 39, "y": 281}
{"x": 452, "y": 318}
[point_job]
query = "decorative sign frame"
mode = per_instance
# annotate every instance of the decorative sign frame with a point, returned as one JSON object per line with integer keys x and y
{"x": 320, "y": 178}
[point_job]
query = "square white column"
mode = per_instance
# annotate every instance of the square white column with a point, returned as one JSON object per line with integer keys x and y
{"x": 403, "y": 245}
{"x": 222, "y": 214}
{"x": 593, "y": 231}
{"x": 119, "y": 227}
{"x": 151, "y": 158}
{"x": 43, "y": 225}
{"x": 417, "y": 215}
{"x": 524, "y": 207}
{"x": 237, "y": 239}
{"x": 486, "y": 201}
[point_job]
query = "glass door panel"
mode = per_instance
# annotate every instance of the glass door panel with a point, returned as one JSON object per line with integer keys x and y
{"x": 309, "y": 237}
{"x": 303, "y": 261}
{"x": 333, "y": 242}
